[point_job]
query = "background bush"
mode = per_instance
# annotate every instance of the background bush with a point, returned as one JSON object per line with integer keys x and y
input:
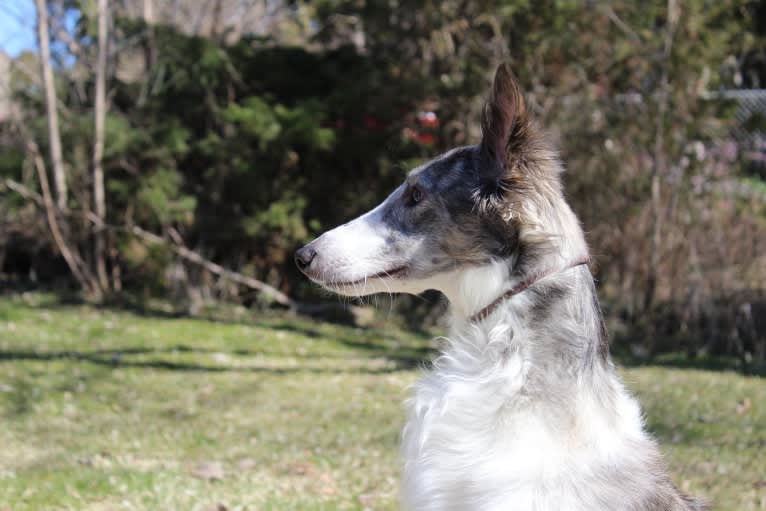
{"x": 243, "y": 138}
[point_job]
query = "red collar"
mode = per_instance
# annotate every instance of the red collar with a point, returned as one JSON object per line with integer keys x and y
{"x": 521, "y": 286}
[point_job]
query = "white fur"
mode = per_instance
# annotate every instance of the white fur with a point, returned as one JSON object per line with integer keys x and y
{"x": 475, "y": 441}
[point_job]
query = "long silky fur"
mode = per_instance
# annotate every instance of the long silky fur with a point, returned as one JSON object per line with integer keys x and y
{"x": 525, "y": 411}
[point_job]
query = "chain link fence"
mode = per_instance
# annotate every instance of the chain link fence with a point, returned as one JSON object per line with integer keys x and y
{"x": 750, "y": 129}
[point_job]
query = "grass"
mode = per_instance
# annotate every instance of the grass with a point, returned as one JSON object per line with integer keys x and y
{"x": 105, "y": 409}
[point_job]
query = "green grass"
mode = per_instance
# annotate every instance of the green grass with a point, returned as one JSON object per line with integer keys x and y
{"x": 104, "y": 409}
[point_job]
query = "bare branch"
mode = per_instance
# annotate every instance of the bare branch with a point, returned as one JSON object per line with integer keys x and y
{"x": 277, "y": 295}
{"x": 25, "y": 192}
{"x": 609, "y": 11}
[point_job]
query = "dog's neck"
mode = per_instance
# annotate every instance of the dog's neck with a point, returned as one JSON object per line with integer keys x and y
{"x": 524, "y": 282}
{"x": 554, "y": 323}
{"x": 476, "y": 292}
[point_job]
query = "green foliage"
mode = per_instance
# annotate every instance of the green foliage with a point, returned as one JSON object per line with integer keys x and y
{"x": 284, "y": 217}
{"x": 256, "y": 119}
{"x": 11, "y": 160}
{"x": 161, "y": 194}
{"x": 121, "y": 138}
{"x": 292, "y": 126}
{"x": 243, "y": 161}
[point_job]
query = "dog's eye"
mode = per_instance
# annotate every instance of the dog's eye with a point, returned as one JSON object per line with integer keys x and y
{"x": 415, "y": 196}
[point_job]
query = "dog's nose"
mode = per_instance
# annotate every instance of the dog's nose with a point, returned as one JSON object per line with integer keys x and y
{"x": 304, "y": 256}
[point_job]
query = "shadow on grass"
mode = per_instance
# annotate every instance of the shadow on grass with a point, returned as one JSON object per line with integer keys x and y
{"x": 114, "y": 359}
{"x": 677, "y": 360}
{"x": 362, "y": 341}
{"x": 378, "y": 343}
{"x": 374, "y": 343}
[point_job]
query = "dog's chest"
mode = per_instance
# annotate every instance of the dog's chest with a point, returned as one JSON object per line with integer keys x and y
{"x": 480, "y": 444}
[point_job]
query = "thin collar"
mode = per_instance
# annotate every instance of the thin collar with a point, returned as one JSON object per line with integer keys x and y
{"x": 521, "y": 286}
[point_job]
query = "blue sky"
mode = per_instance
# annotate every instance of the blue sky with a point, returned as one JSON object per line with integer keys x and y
{"x": 17, "y": 26}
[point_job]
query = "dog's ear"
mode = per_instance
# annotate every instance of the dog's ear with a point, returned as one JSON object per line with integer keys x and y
{"x": 505, "y": 128}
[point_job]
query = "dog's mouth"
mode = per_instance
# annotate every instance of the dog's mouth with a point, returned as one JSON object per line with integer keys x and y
{"x": 387, "y": 274}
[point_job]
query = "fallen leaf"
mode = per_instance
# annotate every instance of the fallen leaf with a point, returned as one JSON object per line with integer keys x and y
{"x": 329, "y": 486}
{"x": 209, "y": 471}
{"x": 744, "y": 406}
{"x": 302, "y": 469}
{"x": 247, "y": 464}
{"x": 367, "y": 500}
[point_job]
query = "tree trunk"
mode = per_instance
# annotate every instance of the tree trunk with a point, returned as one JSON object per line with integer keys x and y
{"x": 70, "y": 255}
{"x": 149, "y": 12}
{"x": 59, "y": 176}
{"x": 215, "y": 29}
{"x": 99, "y": 198}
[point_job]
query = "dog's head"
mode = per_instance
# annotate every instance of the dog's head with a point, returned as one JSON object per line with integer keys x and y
{"x": 467, "y": 208}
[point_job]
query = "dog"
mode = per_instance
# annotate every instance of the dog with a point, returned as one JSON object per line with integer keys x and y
{"x": 523, "y": 409}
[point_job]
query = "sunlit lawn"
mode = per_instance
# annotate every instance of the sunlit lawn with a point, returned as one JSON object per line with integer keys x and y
{"x": 107, "y": 409}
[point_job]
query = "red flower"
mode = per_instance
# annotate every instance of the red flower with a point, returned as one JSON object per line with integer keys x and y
{"x": 429, "y": 119}
{"x": 425, "y": 138}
